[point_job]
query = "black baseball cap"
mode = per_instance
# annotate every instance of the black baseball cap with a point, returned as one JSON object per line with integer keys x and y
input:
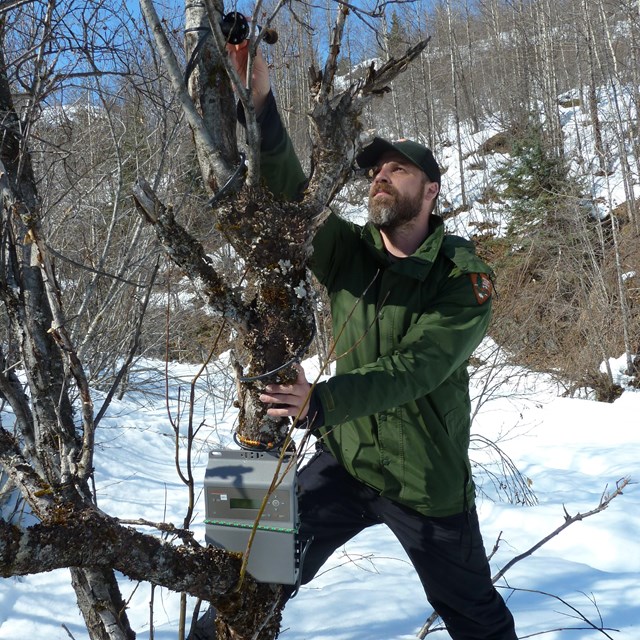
{"x": 416, "y": 153}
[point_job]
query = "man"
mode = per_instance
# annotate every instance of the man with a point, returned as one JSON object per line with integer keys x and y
{"x": 409, "y": 305}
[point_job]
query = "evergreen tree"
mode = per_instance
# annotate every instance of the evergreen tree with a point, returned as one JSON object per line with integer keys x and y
{"x": 537, "y": 184}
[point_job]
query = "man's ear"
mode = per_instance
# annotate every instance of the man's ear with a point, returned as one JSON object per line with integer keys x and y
{"x": 431, "y": 192}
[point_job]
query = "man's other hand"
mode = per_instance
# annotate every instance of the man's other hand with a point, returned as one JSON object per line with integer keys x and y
{"x": 290, "y": 399}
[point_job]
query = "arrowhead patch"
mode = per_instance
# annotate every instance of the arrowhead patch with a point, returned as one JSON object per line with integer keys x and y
{"x": 482, "y": 286}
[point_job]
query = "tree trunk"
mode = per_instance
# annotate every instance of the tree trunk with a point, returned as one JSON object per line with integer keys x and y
{"x": 592, "y": 92}
{"x": 456, "y": 106}
{"x": 101, "y": 604}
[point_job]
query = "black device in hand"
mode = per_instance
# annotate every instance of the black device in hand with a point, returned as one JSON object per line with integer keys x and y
{"x": 235, "y": 28}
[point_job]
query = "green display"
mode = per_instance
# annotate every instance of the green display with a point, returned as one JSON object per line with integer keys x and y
{"x": 244, "y": 503}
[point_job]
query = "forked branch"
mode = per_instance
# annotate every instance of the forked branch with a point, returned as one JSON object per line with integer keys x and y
{"x": 605, "y": 501}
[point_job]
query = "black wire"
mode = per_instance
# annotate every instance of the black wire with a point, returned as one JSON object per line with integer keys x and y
{"x": 195, "y": 54}
{"x": 230, "y": 183}
{"x": 296, "y": 358}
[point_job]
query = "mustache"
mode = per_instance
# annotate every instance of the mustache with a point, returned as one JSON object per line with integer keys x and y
{"x": 383, "y": 188}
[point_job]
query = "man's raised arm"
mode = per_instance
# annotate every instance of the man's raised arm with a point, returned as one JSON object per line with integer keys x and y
{"x": 279, "y": 166}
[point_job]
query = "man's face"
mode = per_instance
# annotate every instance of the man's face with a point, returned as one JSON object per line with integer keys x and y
{"x": 396, "y": 194}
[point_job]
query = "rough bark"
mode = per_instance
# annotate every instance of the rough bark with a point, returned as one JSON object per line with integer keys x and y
{"x": 93, "y": 544}
{"x": 107, "y": 620}
{"x": 85, "y": 537}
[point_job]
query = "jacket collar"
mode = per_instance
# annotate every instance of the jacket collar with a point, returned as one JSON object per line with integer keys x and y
{"x": 417, "y": 265}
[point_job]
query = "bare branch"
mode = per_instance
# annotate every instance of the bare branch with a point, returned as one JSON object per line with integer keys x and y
{"x": 204, "y": 140}
{"x": 84, "y": 464}
{"x": 378, "y": 81}
{"x": 605, "y": 501}
{"x": 133, "y": 349}
{"x": 31, "y": 485}
{"x": 336, "y": 118}
{"x": 189, "y": 255}
{"x": 7, "y": 5}
{"x": 91, "y": 540}
{"x": 165, "y": 527}
{"x": 331, "y": 64}
{"x": 578, "y": 614}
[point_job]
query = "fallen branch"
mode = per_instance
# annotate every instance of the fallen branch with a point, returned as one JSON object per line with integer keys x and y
{"x": 605, "y": 501}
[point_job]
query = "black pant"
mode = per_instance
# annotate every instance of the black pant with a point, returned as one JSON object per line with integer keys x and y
{"x": 447, "y": 553}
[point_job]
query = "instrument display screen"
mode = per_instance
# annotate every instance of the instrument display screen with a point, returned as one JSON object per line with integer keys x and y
{"x": 244, "y": 503}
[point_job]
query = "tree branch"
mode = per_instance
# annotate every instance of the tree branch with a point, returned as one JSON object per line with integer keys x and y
{"x": 133, "y": 349}
{"x": 189, "y": 255}
{"x": 605, "y": 501}
{"x": 578, "y": 614}
{"x": 376, "y": 81}
{"x": 204, "y": 141}
{"x": 36, "y": 491}
{"x": 89, "y": 539}
{"x": 336, "y": 117}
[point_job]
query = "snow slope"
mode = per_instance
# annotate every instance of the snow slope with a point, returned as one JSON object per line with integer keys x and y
{"x": 571, "y": 450}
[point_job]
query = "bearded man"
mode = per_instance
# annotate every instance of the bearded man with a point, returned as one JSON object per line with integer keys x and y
{"x": 409, "y": 305}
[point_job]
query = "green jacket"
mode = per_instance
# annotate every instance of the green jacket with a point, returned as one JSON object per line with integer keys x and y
{"x": 397, "y": 412}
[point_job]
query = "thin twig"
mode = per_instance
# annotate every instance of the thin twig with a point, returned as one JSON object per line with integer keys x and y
{"x": 590, "y": 625}
{"x": 64, "y": 626}
{"x": 605, "y": 501}
{"x": 166, "y": 527}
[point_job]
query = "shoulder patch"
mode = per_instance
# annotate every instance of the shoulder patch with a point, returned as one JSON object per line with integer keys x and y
{"x": 482, "y": 286}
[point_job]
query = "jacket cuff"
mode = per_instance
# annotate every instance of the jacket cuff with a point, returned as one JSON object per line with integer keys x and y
{"x": 315, "y": 414}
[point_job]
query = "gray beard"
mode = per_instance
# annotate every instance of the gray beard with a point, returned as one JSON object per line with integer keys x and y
{"x": 388, "y": 216}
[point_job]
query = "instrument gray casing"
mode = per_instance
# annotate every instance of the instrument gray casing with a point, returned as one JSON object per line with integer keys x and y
{"x": 236, "y": 483}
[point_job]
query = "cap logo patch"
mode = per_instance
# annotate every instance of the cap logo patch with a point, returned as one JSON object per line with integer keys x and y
{"x": 482, "y": 286}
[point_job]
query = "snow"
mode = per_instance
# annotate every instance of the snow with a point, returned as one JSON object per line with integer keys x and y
{"x": 606, "y": 191}
{"x": 571, "y": 450}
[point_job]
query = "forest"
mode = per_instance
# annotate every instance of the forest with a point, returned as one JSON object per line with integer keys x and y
{"x": 119, "y": 132}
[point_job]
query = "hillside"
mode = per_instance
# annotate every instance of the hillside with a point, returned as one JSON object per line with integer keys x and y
{"x": 561, "y": 234}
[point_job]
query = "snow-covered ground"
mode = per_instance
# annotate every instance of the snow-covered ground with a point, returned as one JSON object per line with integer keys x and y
{"x": 570, "y": 451}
